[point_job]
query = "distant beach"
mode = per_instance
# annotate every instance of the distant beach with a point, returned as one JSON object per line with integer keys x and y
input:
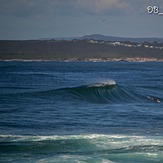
{"x": 88, "y": 60}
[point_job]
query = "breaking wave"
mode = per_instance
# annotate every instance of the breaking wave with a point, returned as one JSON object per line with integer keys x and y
{"x": 107, "y": 92}
{"x": 101, "y": 92}
{"x": 81, "y": 148}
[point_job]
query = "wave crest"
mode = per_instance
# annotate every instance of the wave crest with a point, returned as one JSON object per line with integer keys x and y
{"x": 103, "y": 83}
{"x": 105, "y": 92}
{"x": 100, "y": 92}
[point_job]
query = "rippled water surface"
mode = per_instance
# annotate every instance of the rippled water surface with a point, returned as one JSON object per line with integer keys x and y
{"x": 81, "y": 112}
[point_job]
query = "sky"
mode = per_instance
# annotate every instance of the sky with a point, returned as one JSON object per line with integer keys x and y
{"x": 34, "y": 19}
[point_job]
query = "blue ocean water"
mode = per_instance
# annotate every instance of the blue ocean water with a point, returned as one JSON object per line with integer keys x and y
{"x": 81, "y": 112}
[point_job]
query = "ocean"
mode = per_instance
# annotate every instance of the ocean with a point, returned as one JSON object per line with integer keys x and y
{"x": 81, "y": 112}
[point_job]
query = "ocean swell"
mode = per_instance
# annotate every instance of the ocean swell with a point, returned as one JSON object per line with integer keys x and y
{"x": 106, "y": 92}
{"x": 101, "y": 92}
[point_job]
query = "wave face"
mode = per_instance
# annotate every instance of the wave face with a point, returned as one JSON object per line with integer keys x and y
{"x": 102, "y": 92}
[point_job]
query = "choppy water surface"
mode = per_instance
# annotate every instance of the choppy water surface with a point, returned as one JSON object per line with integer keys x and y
{"x": 81, "y": 112}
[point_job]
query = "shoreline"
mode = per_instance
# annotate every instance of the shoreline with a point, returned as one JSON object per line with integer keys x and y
{"x": 86, "y": 60}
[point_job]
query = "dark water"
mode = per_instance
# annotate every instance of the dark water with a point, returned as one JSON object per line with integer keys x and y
{"x": 81, "y": 112}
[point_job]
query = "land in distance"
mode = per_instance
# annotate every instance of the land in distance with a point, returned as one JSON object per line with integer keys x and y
{"x": 80, "y": 50}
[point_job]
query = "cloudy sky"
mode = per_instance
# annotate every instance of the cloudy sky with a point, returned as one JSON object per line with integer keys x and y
{"x": 33, "y": 19}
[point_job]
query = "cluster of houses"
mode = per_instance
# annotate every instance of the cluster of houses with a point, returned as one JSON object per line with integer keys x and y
{"x": 126, "y": 44}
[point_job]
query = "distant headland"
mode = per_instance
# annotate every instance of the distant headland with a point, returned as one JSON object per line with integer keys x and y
{"x": 93, "y": 48}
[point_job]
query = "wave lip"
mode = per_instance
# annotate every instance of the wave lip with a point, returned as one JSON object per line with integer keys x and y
{"x": 103, "y": 83}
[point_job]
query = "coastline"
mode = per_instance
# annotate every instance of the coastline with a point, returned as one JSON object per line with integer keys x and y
{"x": 137, "y": 59}
{"x": 80, "y": 50}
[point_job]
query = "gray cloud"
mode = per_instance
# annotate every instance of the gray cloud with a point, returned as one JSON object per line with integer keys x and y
{"x": 103, "y": 6}
{"x": 25, "y": 8}
{"x": 116, "y": 6}
{"x": 45, "y": 18}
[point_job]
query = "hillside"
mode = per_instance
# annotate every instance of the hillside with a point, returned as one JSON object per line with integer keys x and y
{"x": 109, "y": 38}
{"x": 122, "y": 39}
{"x": 78, "y": 50}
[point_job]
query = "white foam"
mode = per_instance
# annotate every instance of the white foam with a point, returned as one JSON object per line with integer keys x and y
{"x": 99, "y": 142}
{"x": 155, "y": 140}
{"x": 103, "y": 83}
